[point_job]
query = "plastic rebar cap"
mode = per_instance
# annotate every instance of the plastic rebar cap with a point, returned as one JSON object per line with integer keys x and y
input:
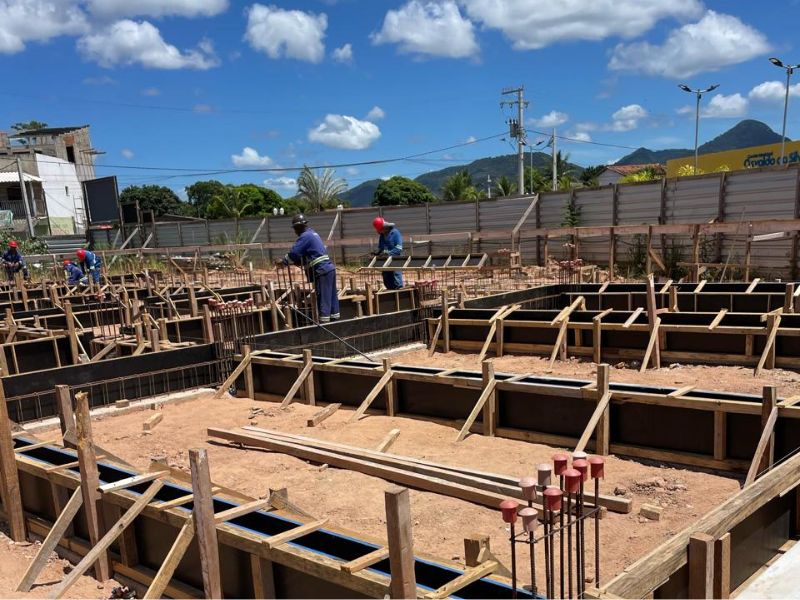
{"x": 552, "y": 498}
{"x": 577, "y": 455}
{"x": 544, "y": 473}
{"x": 560, "y": 463}
{"x": 528, "y": 486}
{"x": 530, "y": 519}
{"x": 572, "y": 481}
{"x": 581, "y": 465}
{"x": 509, "y": 510}
{"x": 597, "y": 467}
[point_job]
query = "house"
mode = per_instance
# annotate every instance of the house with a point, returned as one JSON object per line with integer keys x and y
{"x": 71, "y": 144}
{"x": 613, "y": 173}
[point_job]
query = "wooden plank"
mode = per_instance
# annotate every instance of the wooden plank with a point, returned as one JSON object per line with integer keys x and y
{"x": 309, "y": 394}
{"x": 12, "y": 498}
{"x": 487, "y": 391}
{"x": 305, "y": 372}
{"x": 488, "y": 341}
{"x": 233, "y": 376}
{"x": 653, "y": 321}
{"x": 205, "y": 524}
{"x": 490, "y": 407}
{"x": 560, "y": 339}
{"x": 263, "y": 577}
{"x": 763, "y": 456}
{"x": 773, "y": 323}
{"x": 388, "y": 440}
{"x": 722, "y": 567}
{"x": 171, "y": 561}
{"x": 377, "y": 388}
{"x": 361, "y": 563}
{"x": 323, "y": 414}
{"x": 634, "y": 315}
{"x": 105, "y": 543}
{"x": 701, "y": 566}
{"x": 403, "y": 582}
{"x": 681, "y": 391}
{"x": 54, "y": 535}
{"x": 718, "y": 319}
{"x": 294, "y": 533}
{"x": 752, "y": 285}
{"x": 445, "y": 321}
{"x": 580, "y": 301}
{"x": 720, "y": 435}
{"x": 437, "y": 333}
{"x": 130, "y": 482}
{"x": 241, "y": 510}
{"x": 469, "y": 576}
{"x": 599, "y": 410}
{"x": 652, "y": 347}
{"x": 90, "y": 482}
{"x": 152, "y": 421}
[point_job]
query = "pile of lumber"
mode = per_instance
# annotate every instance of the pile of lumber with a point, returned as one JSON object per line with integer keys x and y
{"x": 486, "y": 489}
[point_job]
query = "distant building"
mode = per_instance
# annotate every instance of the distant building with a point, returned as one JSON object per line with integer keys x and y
{"x": 613, "y": 173}
{"x": 71, "y": 144}
{"x": 753, "y": 157}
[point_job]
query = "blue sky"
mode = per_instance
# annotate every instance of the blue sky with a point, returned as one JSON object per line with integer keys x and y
{"x": 207, "y": 85}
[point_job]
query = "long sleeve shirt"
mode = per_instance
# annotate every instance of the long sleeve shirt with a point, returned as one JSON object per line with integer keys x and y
{"x": 13, "y": 256}
{"x": 309, "y": 252}
{"x": 74, "y": 273}
{"x": 391, "y": 243}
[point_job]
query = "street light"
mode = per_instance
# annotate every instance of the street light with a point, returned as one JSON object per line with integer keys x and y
{"x": 699, "y": 94}
{"x": 789, "y": 70}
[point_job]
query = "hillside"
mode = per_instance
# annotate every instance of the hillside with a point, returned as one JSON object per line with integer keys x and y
{"x": 745, "y": 133}
{"x": 362, "y": 194}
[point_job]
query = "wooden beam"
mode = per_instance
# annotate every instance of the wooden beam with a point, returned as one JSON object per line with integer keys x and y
{"x": 305, "y": 372}
{"x": 361, "y": 563}
{"x": 768, "y": 354}
{"x": 752, "y": 285}
{"x": 437, "y": 332}
{"x": 654, "y": 322}
{"x": 765, "y": 450}
{"x": 467, "y": 577}
{"x": 323, "y": 414}
{"x": 292, "y": 534}
{"x": 560, "y": 340}
{"x": 309, "y": 394}
{"x": 401, "y": 543}
{"x": 489, "y": 416}
{"x": 634, "y": 315}
{"x": 680, "y": 391}
{"x": 54, "y": 535}
{"x": 378, "y": 387}
{"x": 9, "y": 484}
{"x": 580, "y": 301}
{"x": 152, "y": 421}
{"x": 720, "y": 435}
{"x": 490, "y": 336}
{"x": 718, "y": 319}
{"x": 487, "y": 391}
{"x": 722, "y": 567}
{"x": 388, "y": 440}
{"x": 701, "y": 566}
{"x": 652, "y": 348}
{"x": 445, "y": 321}
{"x": 600, "y": 418}
{"x": 241, "y": 510}
{"x": 171, "y": 561}
{"x": 105, "y": 543}
{"x": 205, "y": 524}
{"x": 233, "y": 376}
{"x": 129, "y": 482}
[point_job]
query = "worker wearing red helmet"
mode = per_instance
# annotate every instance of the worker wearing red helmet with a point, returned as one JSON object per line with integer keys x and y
{"x": 390, "y": 243}
{"x": 74, "y": 274}
{"x": 14, "y": 262}
{"x": 89, "y": 263}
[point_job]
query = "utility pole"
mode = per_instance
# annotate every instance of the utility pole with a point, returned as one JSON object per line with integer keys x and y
{"x": 517, "y": 130}
{"x": 555, "y": 162}
{"x": 489, "y": 187}
{"x": 25, "y": 197}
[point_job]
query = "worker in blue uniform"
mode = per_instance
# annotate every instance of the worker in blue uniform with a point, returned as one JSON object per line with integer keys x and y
{"x": 390, "y": 243}
{"x": 310, "y": 253}
{"x": 14, "y": 262}
{"x": 74, "y": 274}
{"x": 90, "y": 262}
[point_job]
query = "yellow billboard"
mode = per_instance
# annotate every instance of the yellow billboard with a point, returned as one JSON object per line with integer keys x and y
{"x": 738, "y": 160}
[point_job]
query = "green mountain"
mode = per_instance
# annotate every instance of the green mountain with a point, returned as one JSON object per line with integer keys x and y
{"x": 742, "y": 135}
{"x": 495, "y": 166}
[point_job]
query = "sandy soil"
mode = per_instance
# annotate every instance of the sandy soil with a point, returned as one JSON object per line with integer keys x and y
{"x": 355, "y": 502}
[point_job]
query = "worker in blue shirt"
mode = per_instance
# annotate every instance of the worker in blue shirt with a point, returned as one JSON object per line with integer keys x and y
{"x": 310, "y": 253}
{"x": 390, "y": 243}
{"x": 90, "y": 262}
{"x": 14, "y": 262}
{"x": 74, "y": 274}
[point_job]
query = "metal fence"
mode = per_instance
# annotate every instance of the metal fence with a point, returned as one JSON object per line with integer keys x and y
{"x": 744, "y": 195}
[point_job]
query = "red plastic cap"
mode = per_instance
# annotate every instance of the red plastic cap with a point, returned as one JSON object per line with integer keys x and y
{"x": 572, "y": 480}
{"x": 597, "y": 467}
{"x": 509, "y": 510}
{"x": 581, "y": 465}
{"x": 530, "y": 519}
{"x": 560, "y": 463}
{"x": 377, "y": 223}
{"x": 552, "y": 498}
{"x": 528, "y": 486}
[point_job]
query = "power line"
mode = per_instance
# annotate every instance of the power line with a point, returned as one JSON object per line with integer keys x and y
{"x": 572, "y": 139}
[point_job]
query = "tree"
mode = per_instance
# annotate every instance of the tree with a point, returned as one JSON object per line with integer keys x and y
{"x": 398, "y": 190}
{"x": 563, "y": 167}
{"x": 321, "y": 189}
{"x": 157, "y": 198}
{"x": 505, "y": 187}
{"x": 232, "y": 203}
{"x": 650, "y": 173}
{"x": 459, "y": 187}
{"x": 590, "y": 174}
{"x": 535, "y": 182}
{"x": 29, "y": 126}
{"x": 201, "y": 193}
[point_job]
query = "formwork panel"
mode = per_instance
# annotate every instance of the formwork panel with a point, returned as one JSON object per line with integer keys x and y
{"x": 543, "y": 413}
{"x": 440, "y": 401}
{"x": 663, "y": 428}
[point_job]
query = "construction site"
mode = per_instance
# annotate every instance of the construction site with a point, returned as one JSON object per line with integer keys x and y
{"x": 538, "y": 411}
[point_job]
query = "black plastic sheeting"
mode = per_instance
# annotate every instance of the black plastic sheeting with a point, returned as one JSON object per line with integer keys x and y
{"x": 430, "y": 575}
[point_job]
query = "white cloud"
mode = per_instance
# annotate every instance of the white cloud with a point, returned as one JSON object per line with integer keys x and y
{"x": 203, "y": 108}
{"x": 127, "y": 153}
{"x": 722, "y": 106}
{"x": 552, "y": 119}
{"x": 351, "y": 171}
{"x": 342, "y": 131}
{"x": 286, "y": 33}
{"x": 580, "y": 136}
{"x": 532, "y": 24}
{"x": 627, "y": 118}
{"x": 23, "y": 21}
{"x": 715, "y": 41}
{"x": 114, "y": 9}
{"x": 286, "y": 183}
{"x": 250, "y": 158}
{"x": 773, "y": 91}
{"x": 429, "y": 28}
{"x": 151, "y": 91}
{"x": 129, "y": 42}
{"x": 343, "y": 54}
{"x": 471, "y": 140}
{"x": 376, "y": 113}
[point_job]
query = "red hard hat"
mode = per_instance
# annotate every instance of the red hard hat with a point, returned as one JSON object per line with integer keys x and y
{"x": 81, "y": 254}
{"x": 12, "y": 244}
{"x": 66, "y": 262}
{"x": 377, "y": 223}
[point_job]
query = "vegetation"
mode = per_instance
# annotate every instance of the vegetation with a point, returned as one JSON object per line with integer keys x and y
{"x": 505, "y": 187}
{"x": 320, "y": 189}
{"x": 201, "y": 193}
{"x": 651, "y": 173}
{"x": 157, "y": 198}
{"x": 398, "y": 191}
{"x": 28, "y": 126}
{"x": 572, "y": 214}
{"x": 535, "y": 182}
{"x": 590, "y": 175}
{"x": 459, "y": 187}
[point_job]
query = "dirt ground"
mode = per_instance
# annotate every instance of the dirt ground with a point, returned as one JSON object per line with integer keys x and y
{"x": 355, "y": 502}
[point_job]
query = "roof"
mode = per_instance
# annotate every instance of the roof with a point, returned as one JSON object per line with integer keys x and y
{"x": 13, "y": 177}
{"x": 48, "y": 131}
{"x": 630, "y": 169}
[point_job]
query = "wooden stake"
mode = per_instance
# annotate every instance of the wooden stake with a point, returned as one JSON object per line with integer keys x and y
{"x": 263, "y": 577}
{"x": 722, "y": 567}
{"x": 391, "y": 391}
{"x": 171, "y": 561}
{"x": 768, "y": 355}
{"x": 476, "y": 410}
{"x": 445, "y": 321}
{"x": 73, "y": 336}
{"x": 653, "y": 321}
{"x": 401, "y": 550}
{"x": 320, "y": 416}
{"x": 652, "y": 348}
{"x": 308, "y": 384}
{"x": 233, "y": 376}
{"x": 204, "y": 523}
{"x": 701, "y": 566}
{"x": 382, "y": 382}
{"x": 765, "y": 450}
{"x": 65, "y": 415}
{"x": 489, "y": 416}
{"x": 287, "y": 400}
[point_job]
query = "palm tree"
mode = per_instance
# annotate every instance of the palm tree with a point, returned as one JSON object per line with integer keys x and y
{"x": 321, "y": 189}
{"x": 535, "y": 181}
{"x": 459, "y": 187}
{"x": 232, "y": 203}
{"x": 505, "y": 187}
{"x": 563, "y": 167}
